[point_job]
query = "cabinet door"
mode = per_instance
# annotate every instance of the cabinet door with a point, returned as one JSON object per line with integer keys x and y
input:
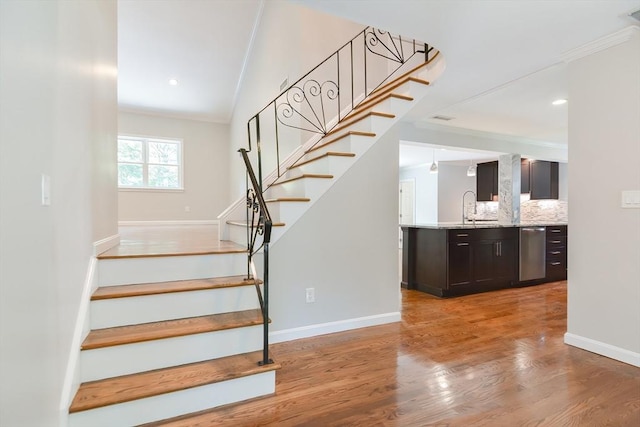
{"x": 484, "y": 252}
{"x": 505, "y": 266}
{"x": 487, "y": 181}
{"x": 459, "y": 263}
{"x": 544, "y": 180}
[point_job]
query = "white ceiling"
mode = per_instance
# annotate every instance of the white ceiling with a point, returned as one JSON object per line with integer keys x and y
{"x": 201, "y": 43}
{"x": 504, "y": 58}
{"x": 417, "y": 153}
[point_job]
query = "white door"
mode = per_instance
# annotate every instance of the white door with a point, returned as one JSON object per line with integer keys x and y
{"x": 406, "y": 204}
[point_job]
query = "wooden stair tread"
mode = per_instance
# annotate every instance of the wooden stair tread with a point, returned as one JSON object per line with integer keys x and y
{"x": 245, "y": 223}
{"x": 305, "y": 175}
{"x": 110, "y": 391}
{"x": 378, "y": 98}
{"x": 403, "y": 77}
{"x": 288, "y": 199}
{"x": 100, "y": 338}
{"x": 322, "y": 156}
{"x": 355, "y": 119}
{"x": 123, "y": 291}
{"x": 338, "y": 138}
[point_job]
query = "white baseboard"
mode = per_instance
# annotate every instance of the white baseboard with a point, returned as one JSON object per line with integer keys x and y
{"x": 603, "y": 349}
{"x": 72, "y": 374}
{"x": 176, "y": 222}
{"x": 331, "y": 327}
{"x": 105, "y": 244}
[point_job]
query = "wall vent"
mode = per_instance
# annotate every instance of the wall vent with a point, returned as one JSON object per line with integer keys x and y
{"x": 635, "y": 15}
{"x": 445, "y": 118}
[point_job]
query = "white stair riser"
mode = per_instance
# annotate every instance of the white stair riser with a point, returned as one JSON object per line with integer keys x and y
{"x": 153, "y": 308}
{"x": 126, "y": 271}
{"x": 237, "y": 234}
{"x": 176, "y": 403}
{"x": 145, "y": 356}
{"x": 326, "y": 165}
{"x": 287, "y": 212}
{"x": 356, "y": 144}
{"x": 306, "y": 187}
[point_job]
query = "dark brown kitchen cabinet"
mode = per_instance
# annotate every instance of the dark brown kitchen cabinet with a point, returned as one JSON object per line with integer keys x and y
{"x": 556, "y": 259}
{"x": 525, "y": 168}
{"x": 449, "y": 262}
{"x": 487, "y": 181}
{"x": 543, "y": 180}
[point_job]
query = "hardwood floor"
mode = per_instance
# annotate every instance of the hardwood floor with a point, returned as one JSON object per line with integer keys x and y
{"x": 493, "y": 359}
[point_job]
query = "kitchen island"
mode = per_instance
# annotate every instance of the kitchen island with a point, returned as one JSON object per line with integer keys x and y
{"x": 450, "y": 259}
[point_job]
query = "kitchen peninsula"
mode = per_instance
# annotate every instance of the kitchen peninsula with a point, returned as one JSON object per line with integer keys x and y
{"x": 448, "y": 259}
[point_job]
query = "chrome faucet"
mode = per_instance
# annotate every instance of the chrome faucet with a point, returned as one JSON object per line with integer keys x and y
{"x": 475, "y": 206}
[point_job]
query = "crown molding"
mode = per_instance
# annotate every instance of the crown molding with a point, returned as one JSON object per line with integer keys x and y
{"x": 488, "y": 135}
{"x": 600, "y": 44}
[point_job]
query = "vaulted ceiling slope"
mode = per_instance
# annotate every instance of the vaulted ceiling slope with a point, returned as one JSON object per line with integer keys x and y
{"x": 505, "y": 58}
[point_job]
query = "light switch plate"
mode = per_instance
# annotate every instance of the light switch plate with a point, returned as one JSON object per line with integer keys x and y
{"x": 46, "y": 190}
{"x": 631, "y": 199}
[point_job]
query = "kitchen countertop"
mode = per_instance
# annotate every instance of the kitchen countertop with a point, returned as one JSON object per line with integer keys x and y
{"x": 482, "y": 224}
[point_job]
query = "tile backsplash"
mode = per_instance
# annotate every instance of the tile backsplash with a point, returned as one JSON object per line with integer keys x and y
{"x": 530, "y": 210}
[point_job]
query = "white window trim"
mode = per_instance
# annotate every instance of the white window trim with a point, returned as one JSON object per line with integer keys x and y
{"x": 145, "y": 164}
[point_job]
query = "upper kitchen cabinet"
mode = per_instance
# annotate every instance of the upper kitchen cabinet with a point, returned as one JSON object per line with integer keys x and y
{"x": 525, "y": 173}
{"x": 540, "y": 178}
{"x": 487, "y": 181}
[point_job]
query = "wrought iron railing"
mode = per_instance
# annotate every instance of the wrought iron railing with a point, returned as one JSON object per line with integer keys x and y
{"x": 308, "y": 110}
{"x": 318, "y": 101}
{"x": 258, "y": 224}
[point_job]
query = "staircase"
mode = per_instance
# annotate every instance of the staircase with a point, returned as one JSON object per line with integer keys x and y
{"x": 171, "y": 335}
{"x": 162, "y": 349}
{"x": 315, "y": 167}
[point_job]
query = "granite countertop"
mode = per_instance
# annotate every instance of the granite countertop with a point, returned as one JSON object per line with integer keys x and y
{"x": 483, "y": 224}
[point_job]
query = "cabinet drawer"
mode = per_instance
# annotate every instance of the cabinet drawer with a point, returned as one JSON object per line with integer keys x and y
{"x": 556, "y": 230}
{"x": 556, "y": 242}
{"x": 556, "y": 270}
{"x": 461, "y": 235}
{"x": 498, "y": 233}
{"x": 555, "y": 254}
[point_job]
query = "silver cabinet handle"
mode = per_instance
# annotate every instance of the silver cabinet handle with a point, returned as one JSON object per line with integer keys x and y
{"x": 556, "y": 263}
{"x": 556, "y": 252}
{"x": 462, "y": 235}
{"x": 463, "y": 244}
{"x": 556, "y": 231}
{"x": 556, "y": 241}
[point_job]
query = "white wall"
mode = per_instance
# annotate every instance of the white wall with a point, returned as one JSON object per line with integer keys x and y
{"x": 426, "y": 193}
{"x": 345, "y": 246}
{"x": 57, "y": 117}
{"x": 604, "y": 249}
{"x": 290, "y": 41}
{"x": 452, "y": 183}
{"x": 206, "y": 170}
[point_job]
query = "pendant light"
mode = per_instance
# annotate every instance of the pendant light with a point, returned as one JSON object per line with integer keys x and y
{"x": 471, "y": 171}
{"x": 434, "y": 166}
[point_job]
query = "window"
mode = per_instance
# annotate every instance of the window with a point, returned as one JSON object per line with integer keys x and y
{"x": 149, "y": 163}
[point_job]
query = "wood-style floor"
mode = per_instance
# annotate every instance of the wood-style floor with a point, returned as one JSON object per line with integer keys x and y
{"x": 493, "y": 359}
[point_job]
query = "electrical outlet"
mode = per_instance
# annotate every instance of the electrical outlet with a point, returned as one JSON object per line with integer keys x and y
{"x": 311, "y": 295}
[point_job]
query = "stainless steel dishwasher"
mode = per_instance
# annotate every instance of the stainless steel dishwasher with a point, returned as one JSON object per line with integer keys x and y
{"x": 532, "y": 253}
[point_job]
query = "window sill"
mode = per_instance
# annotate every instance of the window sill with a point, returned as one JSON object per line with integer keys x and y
{"x": 151, "y": 189}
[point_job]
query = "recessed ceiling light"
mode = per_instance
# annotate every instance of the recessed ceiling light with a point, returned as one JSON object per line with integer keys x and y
{"x": 559, "y": 101}
{"x": 173, "y": 82}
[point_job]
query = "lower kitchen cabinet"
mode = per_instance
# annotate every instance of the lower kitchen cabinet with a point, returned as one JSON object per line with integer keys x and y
{"x": 556, "y": 259}
{"x": 461, "y": 261}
